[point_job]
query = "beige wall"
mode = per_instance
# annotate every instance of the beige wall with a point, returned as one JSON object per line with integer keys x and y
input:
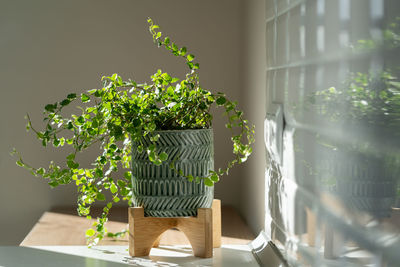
{"x": 50, "y": 48}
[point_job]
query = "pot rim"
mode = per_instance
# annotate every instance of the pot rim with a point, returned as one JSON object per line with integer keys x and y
{"x": 183, "y": 130}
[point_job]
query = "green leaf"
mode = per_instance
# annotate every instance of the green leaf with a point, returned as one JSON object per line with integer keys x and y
{"x": 124, "y": 192}
{"x": 113, "y": 147}
{"x": 152, "y": 156}
{"x": 98, "y": 93}
{"x": 136, "y": 122}
{"x": 163, "y": 156}
{"x": 71, "y": 96}
{"x": 117, "y": 234}
{"x": 221, "y": 100}
{"x": 190, "y": 64}
{"x": 85, "y": 98}
{"x": 128, "y": 175}
{"x": 62, "y": 141}
{"x": 183, "y": 51}
{"x": 395, "y": 84}
{"x": 92, "y": 91}
{"x": 167, "y": 41}
{"x": 383, "y": 95}
{"x": 113, "y": 188}
{"x": 101, "y": 197}
{"x": 121, "y": 183}
{"x": 80, "y": 120}
{"x": 170, "y": 90}
{"x": 215, "y": 177}
{"x": 65, "y": 102}
{"x": 98, "y": 173}
{"x": 90, "y": 232}
{"x": 50, "y": 107}
{"x": 208, "y": 182}
{"x": 166, "y": 77}
{"x": 190, "y": 57}
{"x": 40, "y": 171}
{"x": 56, "y": 142}
{"x": 53, "y": 184}
{"x": 72, "y": 164}
{"x": 70, "y": 126}
{"x": 103, "y": 160}
{"x": 171, "y": 165}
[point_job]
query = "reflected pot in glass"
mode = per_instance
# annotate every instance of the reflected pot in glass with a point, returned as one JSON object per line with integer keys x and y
{"x": 367, "y": 182}
{"x": 160, "y": 190}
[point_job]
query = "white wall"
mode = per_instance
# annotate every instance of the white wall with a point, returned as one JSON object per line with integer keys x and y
{"x": 50, "y": 48}
{"x": 253, "y": 99}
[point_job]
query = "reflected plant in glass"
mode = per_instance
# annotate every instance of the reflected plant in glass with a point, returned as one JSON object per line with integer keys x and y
{"x": 366, "y": 172}
{"x": 371, "y": 98}
{"x": 367, "y": 103}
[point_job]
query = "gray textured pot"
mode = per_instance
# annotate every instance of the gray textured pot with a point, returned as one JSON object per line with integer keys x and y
{"x": 161, "y": 191}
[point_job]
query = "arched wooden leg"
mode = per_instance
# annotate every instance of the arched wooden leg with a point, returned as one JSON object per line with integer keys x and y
{"x": 144, "y": 231}
{"x": 199, "y": 231}
{"x": 203, "y": 231}
{"x": 157, "y": 242}
{"x": 216, "y": 214}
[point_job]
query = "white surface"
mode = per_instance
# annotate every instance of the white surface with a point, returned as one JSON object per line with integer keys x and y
{"x": 227, "y": 255}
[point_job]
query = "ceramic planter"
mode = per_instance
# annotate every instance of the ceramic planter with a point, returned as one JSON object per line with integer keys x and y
{"x": 160, "y": 190}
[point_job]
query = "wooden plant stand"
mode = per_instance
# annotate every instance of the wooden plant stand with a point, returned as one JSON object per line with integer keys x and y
{"x": 203, "y": 231}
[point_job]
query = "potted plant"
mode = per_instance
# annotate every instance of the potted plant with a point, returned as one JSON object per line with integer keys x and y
{"x": 159, "y": 133}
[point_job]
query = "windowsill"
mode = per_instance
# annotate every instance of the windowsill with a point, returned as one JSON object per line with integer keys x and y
{"x": 227, "y": 255}
{"x": 60, "y": 228}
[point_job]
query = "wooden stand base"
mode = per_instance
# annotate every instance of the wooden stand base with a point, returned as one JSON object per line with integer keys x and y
{"x": 203, "y": 231}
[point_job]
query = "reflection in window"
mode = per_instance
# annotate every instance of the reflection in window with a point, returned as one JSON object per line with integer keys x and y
{"x": 334, "y": 197}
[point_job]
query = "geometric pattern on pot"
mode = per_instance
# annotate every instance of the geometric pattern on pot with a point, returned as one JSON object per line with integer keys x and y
{"x": 161, "y": 191}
